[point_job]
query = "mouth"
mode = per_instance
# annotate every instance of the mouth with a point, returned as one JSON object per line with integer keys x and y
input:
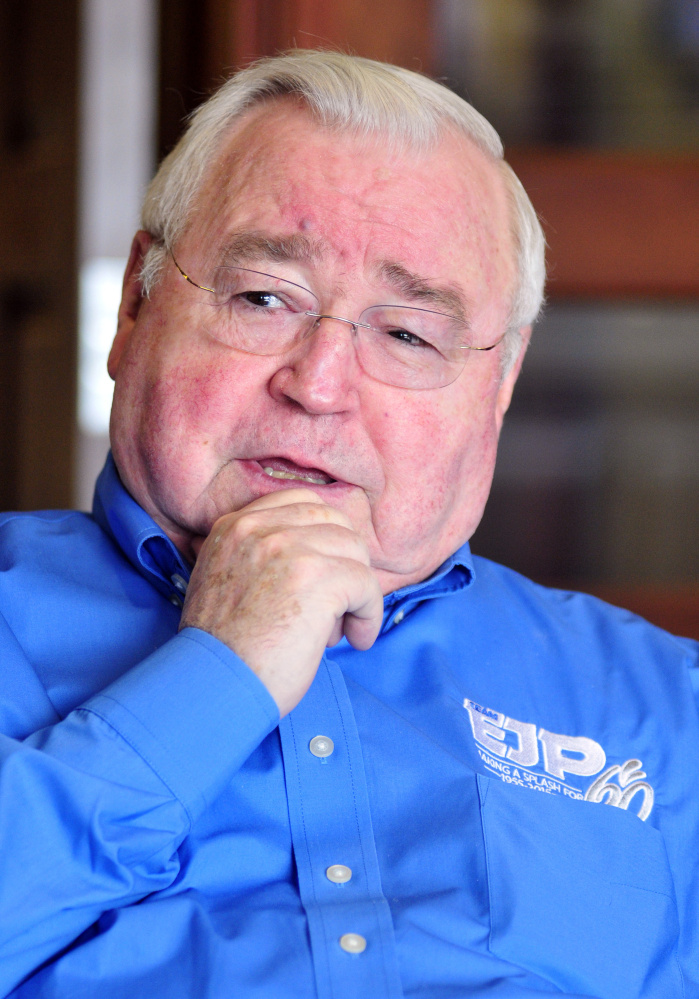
{"x": 282, "y": 468}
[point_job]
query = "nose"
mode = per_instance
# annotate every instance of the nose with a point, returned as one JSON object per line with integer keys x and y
{"x": 320, "y": 373}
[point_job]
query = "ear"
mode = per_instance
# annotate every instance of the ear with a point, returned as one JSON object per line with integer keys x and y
{"x": 131, "y": 299}
{"x": 504, "y": 396}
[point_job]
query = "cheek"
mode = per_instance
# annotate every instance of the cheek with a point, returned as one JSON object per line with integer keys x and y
{"x": 187, "y": 398}
{"x": 463, "y": 461}
{"x": 438, "y": 464}
{"x": 194, "y": 399}
{"x": 441, "y": 440}
{"x": 193, "y": 414}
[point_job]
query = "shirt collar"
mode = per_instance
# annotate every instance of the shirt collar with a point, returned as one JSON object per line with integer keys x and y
{"x": 152, "y": 553}
{"x": 145, "y": 545}
{"x": 452, "y": 576}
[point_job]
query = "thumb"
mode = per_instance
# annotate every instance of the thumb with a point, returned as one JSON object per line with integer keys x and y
{"x": 362, "y": 625}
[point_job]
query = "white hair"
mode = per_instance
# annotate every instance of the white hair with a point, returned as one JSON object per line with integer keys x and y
{"x": 345, "y": 93}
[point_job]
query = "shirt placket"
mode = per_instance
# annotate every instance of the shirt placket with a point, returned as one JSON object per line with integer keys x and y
{"x": 350, "y": 924}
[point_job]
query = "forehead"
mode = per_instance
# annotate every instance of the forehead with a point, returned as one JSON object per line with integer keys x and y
{"x": 354, "y": 202}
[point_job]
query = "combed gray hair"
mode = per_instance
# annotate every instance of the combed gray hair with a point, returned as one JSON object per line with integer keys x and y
{"x": 345, "y": 93}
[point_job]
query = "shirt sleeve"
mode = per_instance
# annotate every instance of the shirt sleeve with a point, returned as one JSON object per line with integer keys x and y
{"x": 93, "y": 808}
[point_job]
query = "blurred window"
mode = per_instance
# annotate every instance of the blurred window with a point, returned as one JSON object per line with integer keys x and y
{"x": 117, "y": 129}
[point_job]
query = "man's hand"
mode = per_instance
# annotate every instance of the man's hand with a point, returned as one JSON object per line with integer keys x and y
{"x": 280, "y": 580}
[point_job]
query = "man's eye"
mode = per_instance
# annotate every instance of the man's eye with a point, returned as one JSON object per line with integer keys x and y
{"x": 408, "y": 338}
{"x": 263, "y": 299}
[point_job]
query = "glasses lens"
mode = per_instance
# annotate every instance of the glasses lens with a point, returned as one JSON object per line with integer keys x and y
{"x": 258, "y": 312}
{"x": 412, "y": 348}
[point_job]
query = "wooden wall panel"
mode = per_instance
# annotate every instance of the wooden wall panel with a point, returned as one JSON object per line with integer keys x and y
{"x": 394, "y": 30}
{"x": 675, "y": 608}
{"x": 617, "y": 225}
{"x": 38, "y": 211}
{"x": 203, "y": 41}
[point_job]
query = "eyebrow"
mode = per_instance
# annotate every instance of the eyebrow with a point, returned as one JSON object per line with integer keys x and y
{"x": 418, "y": 289}
{"x": 247, "y": 247}
{"x": 255, "y": 247}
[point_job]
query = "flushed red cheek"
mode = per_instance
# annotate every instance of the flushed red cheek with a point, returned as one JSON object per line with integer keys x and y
{"x": 189, "y": 397}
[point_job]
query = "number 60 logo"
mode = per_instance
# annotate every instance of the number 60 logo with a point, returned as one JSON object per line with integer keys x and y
{"x": 630, "y": 783}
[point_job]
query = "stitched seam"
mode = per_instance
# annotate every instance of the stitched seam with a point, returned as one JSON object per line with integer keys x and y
{"x": 352, "y": 780}
{"x": 488, "y": 863}
{"x": 138, "y": 753}
{"x": 421, "y": 732}
{"x": 650, "y": 891}
{"x": 376, "y": 903}
{"x": 679, "y": 969}
{"x": 31, "y": 664}
{"x": 317, "y": 906}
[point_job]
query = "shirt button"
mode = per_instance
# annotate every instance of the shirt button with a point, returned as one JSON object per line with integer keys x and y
{"x": 179, "y": 582}
{"x": 174, "y": 599}
{"x": 322, "y": 746}
{"x": 353, "y": 943}
{"x": 399, "y": 617}
{"x": 338, "y": 874}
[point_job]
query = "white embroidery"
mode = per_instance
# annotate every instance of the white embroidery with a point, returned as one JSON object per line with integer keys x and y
{"x": 510, "y": 750}
{"x": 555, "y": 748}
{"x": 630, "y": 782}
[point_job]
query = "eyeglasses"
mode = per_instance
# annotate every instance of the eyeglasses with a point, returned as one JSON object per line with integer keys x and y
{"x": 396, "y": 344}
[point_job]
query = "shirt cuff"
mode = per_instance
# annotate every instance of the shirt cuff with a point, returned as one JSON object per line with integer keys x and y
{"x": 193, "y": 711}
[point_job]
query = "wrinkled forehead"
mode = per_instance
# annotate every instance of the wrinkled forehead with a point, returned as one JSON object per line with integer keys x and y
{"x": 281, "y": 173}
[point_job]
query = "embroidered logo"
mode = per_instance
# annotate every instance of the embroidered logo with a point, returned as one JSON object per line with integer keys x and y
{"x": 517, "y": 752}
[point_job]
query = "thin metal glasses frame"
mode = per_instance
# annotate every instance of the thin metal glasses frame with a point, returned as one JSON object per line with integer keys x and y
{"x": 355, "y": 324}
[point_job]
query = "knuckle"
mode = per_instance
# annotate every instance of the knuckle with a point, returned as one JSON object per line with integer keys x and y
{"x": 272, "y": 545}
{"x": 224, "y": 528}
{"x": 307, "y": 568}
{"x": 247, "y": 525}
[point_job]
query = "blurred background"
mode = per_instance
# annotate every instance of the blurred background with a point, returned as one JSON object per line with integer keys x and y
{"x": 597, "y": 102}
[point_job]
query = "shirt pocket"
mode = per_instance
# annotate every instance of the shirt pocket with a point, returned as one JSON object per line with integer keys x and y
{"x": 580, "y": 894}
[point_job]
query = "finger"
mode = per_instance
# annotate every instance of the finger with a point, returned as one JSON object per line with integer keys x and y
{"x": 229, "y": 531}
{"x": 331, "y": 541}
{"x": 336, "y": 634}
{"x": 259, "y": 518}
{"x": 293, "y": 515}
{"x": 362, "y": 633}
{"x": 284, "y": 497}
{"x": 364, "y": 615}
{"x": 281, "y": 499}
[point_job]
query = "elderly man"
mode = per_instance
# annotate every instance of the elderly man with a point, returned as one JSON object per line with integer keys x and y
{"x": 342, "y": 758}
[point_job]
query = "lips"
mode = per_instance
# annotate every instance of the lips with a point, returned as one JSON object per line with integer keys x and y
{"x": 282, "y": 468}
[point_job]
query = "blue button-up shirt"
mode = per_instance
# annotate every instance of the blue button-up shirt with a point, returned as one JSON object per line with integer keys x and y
{"x": 163, "y": 835}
